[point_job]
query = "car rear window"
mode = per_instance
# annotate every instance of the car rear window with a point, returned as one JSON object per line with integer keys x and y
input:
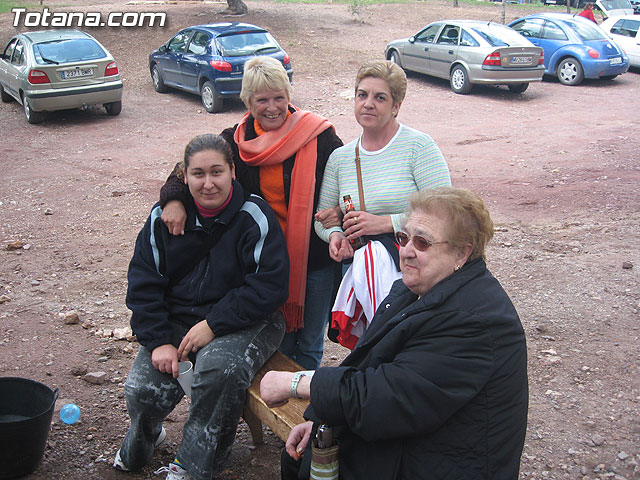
{"x": 250, "y": 43}
{"x": 586, "y": 31}
{"x": 497, "y": 36}
{"x": 491, "y": 39}
{"x": 67, "y": 51}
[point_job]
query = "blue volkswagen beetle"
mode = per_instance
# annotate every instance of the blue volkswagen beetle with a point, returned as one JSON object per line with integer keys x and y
{"x": 574, "y": 48}
{"x": 208, "y": 60}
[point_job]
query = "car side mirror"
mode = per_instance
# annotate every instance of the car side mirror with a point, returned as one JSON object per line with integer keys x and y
{"x": 412, "y": 39}
{"x": 164, "y": 48}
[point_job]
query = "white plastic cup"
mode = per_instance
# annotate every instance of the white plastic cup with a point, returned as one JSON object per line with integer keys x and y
{"x": 185, "y": 378}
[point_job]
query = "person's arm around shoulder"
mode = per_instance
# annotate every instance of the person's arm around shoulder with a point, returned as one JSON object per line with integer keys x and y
{"x": 173, "y": 196}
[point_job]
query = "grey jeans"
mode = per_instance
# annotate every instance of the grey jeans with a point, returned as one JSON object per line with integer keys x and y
{"x": 223, "y": 371}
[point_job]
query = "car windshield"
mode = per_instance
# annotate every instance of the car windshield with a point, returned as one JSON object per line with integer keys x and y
{"x": 586, "y": 31}
{"x": 497, "y": 36}
{"x": 247, "y": 43}
{"x": 615, "y": 4}
{"x": 68, "y": 50}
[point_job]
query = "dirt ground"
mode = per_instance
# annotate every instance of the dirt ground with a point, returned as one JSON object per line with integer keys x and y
{"x": 558, "y": 166}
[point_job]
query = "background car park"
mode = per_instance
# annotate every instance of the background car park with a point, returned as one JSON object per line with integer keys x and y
{"x": 574, "y": 47}
{"x": 557, "y": 165}
{"x": 625, "y": 31}
{"x": 56, "y": 70}
{"x": 468, "y": 52}
{"x": 208, "y": 60}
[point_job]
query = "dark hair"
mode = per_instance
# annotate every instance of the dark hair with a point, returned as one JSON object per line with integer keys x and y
{"x": 208, "y": 141}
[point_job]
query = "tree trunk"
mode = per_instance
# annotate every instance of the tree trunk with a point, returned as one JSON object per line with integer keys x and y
{"x": 236, "y": 7}
{"x": 455, "y": 3}
{"x": 503, "y": 12}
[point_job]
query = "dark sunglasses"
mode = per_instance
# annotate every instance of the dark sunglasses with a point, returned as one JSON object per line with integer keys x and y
{"x": 419, "y": 243}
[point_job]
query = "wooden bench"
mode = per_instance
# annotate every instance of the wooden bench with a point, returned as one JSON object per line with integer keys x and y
{"x": 280, "y": 420}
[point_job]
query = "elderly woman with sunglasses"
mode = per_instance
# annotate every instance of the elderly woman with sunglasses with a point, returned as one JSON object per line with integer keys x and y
{"x": 444, "y": 363}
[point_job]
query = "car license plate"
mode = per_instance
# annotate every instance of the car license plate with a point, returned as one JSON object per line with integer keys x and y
{"x": 77, "y": 72}
{"x": 520, "y": 60}
{"x": 615, "y": 61}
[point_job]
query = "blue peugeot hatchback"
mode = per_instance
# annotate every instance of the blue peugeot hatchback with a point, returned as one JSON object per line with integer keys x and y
{"x": 208, "y": 60}
{"x": 574, "y": 48}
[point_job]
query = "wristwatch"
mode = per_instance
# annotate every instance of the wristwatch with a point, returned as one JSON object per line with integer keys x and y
{"x": 296, "y": 379}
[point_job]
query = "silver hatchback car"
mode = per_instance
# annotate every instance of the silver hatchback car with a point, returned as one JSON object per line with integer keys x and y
{"x": 467, "y": 52}
{"x": 58, "y": 69}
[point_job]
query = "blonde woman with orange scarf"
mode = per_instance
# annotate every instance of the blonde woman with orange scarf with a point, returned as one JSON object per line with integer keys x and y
{"x": 280, "y": 153}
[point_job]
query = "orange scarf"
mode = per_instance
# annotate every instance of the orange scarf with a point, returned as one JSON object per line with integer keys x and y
{"x": 297, "y": 136}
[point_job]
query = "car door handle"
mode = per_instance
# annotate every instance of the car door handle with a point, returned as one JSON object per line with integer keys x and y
{"x": 450, "y": 52}
{"x": 426, "y": 49}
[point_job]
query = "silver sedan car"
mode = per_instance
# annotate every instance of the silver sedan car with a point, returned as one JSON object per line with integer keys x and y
{"x": 58, "y": 69}
{"x": 468, "y": 52}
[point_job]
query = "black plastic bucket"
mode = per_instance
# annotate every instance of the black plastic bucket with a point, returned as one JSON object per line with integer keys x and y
{"x": 26, "y": 409}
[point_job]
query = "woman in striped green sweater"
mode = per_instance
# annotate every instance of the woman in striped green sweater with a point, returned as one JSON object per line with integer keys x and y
{"x": 396, "y": 160}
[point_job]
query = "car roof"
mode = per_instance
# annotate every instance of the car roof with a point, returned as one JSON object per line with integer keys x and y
{"x": 558, "y": 16}
{"x": 469, "y": 23}
{"x": 227, "y": 27}
{"x": 49, "y": 35}
{"x": 623, "y": 17}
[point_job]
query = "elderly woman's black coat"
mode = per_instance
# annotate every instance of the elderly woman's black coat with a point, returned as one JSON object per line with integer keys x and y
{"x": 435, "y": 389}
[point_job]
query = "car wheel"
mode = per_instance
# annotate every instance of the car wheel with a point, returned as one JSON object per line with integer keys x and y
{"x": 460, "y": 80}
{"x": 4, "y": 96}
{"x": 570, "y": 71}
{"x": 210, "y": 99}
{"x": 518, "y": 87}
{"x": 32, "y": 117}
{"x": 395, "y": 58}
{"x": 608, "y": 77}
{"x": 113, "y": 108}
{"x": 158, "y": 83}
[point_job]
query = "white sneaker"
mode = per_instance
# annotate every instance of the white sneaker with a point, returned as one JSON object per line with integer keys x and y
{"x": 118, "y": 464}
{"x": 174, "y": 472}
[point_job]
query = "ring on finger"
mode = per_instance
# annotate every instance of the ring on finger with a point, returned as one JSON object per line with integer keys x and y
{"x": 355, "y": 220}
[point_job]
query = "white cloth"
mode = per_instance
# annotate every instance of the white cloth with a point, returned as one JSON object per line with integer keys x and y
{"x": 365, "y": 284}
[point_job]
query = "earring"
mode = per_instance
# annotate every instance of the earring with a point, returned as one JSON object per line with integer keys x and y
{"x": 457, "y": 267}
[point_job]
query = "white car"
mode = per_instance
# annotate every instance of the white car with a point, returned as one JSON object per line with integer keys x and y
{"x": 614, "y": 8}
{"x": 625, "y": 30}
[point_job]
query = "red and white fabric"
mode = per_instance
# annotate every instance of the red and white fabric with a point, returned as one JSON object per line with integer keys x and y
{"x": 365, "y": 284}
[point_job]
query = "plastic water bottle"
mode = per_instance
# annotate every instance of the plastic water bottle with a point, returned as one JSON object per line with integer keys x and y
{"x": 70, "y": 413}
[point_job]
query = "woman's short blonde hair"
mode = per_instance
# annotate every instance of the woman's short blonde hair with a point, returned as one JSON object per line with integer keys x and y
{"x": 387, "y": 71}
{"x": 263, "y": 74}
{"x": 468, "y": 219}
